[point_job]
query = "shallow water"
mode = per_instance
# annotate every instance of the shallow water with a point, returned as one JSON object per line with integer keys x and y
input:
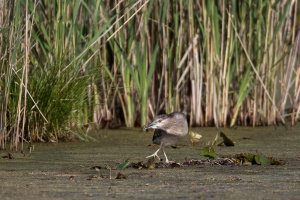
{"x": 62, "y": 170}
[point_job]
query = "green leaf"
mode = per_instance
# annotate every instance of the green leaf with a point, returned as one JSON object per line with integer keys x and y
{"x": 262, "y": 160}
{"x": 250, "y": 157}
{"x": 259, "y": 159}
{"x": 208, "y": 152}
{"x": 124, "y": 164}
{"x": 226, "y": 140}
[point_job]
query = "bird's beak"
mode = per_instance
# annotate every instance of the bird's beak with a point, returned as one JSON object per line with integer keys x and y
{"x": 150, "y": 125}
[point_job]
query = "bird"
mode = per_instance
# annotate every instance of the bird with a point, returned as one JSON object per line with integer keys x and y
{"x": 168, "y": 130}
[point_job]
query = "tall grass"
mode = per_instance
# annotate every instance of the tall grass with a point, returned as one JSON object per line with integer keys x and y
{"x": 44, "y": 75}
{"x": 69, "y": 63}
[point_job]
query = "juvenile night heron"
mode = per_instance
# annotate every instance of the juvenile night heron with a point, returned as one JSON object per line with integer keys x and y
{"x": 169, "y": 129}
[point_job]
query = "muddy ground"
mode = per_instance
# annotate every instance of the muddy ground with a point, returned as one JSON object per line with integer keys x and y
{"x": 63, "y": 170}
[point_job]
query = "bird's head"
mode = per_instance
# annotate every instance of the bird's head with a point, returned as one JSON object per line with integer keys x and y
{"x": 159, "y": 122}
{"x": 175, "y": 123}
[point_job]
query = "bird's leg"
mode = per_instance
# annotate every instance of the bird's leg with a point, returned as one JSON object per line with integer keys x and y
{"x": 155, "y": 154}
{"x": 167, "y": 160}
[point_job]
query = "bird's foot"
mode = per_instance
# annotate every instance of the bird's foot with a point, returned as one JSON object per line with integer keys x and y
{"x": 154, "y": 155}
{"x": 167, "y": 160}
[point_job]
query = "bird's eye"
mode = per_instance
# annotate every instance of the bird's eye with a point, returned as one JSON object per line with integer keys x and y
{"x": 159, "y": 120}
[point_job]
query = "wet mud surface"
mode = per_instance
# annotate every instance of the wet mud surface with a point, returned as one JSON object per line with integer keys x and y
{"x": 63, "y": 170}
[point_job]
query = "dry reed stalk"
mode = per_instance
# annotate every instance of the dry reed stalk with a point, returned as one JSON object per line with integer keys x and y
{"x": 211, "y": 54}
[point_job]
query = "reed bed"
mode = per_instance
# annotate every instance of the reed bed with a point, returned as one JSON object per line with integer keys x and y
{"x": 67, "y": 65}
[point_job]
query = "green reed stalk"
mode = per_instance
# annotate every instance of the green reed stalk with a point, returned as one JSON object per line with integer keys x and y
{"x": 75, "y": 62}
